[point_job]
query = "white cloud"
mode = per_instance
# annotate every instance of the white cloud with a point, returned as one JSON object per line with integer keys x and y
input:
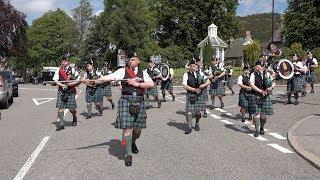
{"x": 98, "y": 12}
{"x": 247, "y": 7}
{"x": 33, "y": 6}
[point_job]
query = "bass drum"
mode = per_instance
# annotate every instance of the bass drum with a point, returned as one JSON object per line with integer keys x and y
{"x": 165, "y": 72}
{"x": 285, "y": 69}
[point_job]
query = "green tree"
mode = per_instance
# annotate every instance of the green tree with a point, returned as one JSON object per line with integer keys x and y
{"x": 50, "y": 37}
{"x": 302, "y": 22}
{"x": 82, "y": 16}
{"x": 251, "y": 53}
{"x": 207, "y": 54}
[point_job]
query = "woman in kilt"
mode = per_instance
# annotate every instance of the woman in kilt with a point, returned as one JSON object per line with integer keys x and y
{"x": 217, "y": 82}
{"x": 260, "y": 104}
{"x": 66, "y": 92}
{"x": 195, "y": 84}
{"x": 106, "y": 88}
{"x": 154, "y": 73}
{"x": 245, "y": 92}
{"x": 228, "y": 78}
{"x": 311, "y": 63}
{"x": 295, "y": 84}
{"x": 93, "y": 93}
{"x": 131, "y": 114}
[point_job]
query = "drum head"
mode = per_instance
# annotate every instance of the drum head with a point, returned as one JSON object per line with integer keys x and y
{"x": 285, "y": 69}
{"x": 165, "y": 72}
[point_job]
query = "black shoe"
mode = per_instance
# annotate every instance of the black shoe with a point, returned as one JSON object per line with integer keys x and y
{"x": 312, "y": 91}
{"x": 159, "y": 104}
{"x": 303, "y": 94}
{"x": 173, "y": 98}
{"x": 287, "y": 102}
{"x": 128, "y": 160}
{"x": 113, "y": 106}
{"x": 205, "y": 114}
{"x": 232, "y": 93}
{"x": 59, "y": 128}
{"x": 100, "y": 111}
{"x": 212, "y": 107}
{"x": 88, "y": 117}
{"x": 196, "y": 127}
{"x": 188, "y": 131}
{"x": 74, "y": 121}
{"x": 256, "y": 134}
{"x": 261, "y": 131}
{"x": 148, "y": 107}
{"x": 164, "y": 100}
{"x": 243, "y": 120}
{"x": 296, "y": 102}
{"x": 134, "y": 148}
{"x": 222, "y": 105}
{"x": 250, "y": 117}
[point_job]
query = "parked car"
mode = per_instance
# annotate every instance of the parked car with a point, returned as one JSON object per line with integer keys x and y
{"x": 19, "y": 79}
{"x": 47, "y": 74}
{"x": 9, "y": 77}
{"x": 6, "y": 96}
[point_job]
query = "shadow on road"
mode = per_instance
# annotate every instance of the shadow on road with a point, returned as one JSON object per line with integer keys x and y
{"x": 181, "y": 126}
{"x": 85, "y": 114}
{"x": 181, "y": 112}
{"x": 115, "y": 148}
{"x": 243, "y": 129}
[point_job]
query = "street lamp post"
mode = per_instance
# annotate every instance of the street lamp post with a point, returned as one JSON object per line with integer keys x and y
{"x": 272, "y": 22}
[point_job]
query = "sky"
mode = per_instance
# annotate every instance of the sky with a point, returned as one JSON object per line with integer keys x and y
{"x": 36, "y": 8}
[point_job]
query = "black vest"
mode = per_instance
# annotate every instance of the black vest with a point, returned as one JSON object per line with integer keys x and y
{"x": 310, "y": 63}
{"x": 151, "y": 73}
{"x": 128, "y": 89}
{"x": 245, "y": 81}
{"x": 259, "y": 81}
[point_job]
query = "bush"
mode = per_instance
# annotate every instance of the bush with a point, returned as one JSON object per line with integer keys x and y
{"x": 176, "y": 55}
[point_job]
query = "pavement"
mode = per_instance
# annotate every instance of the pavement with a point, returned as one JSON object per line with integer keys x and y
{"x": 224, "y": 148}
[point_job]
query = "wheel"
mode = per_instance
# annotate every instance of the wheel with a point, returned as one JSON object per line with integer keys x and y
{"x": 11, "y": 100}
{"x": 5, "y": 104}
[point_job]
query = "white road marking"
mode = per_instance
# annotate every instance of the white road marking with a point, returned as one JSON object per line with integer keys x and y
{"x": 215, "y": 116}
{"x": 230, "y": 107}
{"x": 278, "y": 136}
{"x": 181, "y": 101}
{"x": 259, "y": 138}
{"x": 247, "y": 122}
{"x": 25, "y": 168}
{"x": 35, "y": 100}
{"x": 280, "y": 148}
{"x": 229, "y": 114}
{"x": 226, "y": 122}
{"x": 38, "y": 89}
{"x": 220, "y": 110}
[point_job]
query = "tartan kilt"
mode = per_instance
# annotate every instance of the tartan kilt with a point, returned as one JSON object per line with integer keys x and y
{"x": 198, "y": 105}
{"x": 70, "y": 104}
{"x": 166, "y": 85}
{"x": 229, "y": 82}
{"x": 265, "y": 107}
{"x": 217, "y": 88}
{"x": 153, "y": 91}
{"x": 205, "y": 95}
{"x": 312, "y": 77}
{"x": 304, "y": 80}
{"x": 95, "y": 97}
{"x": 295, "y": 84}
{"x": 124, "y": 119}
{"x": 244, "y": 97}
{"x": 106, "y": 90}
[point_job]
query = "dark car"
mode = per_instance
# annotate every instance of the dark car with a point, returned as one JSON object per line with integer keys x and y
{"x": 5, "y": 93}
{"x": 9, "y": 77}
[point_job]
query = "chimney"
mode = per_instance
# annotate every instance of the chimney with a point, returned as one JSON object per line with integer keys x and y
{"x": 231, "y": 41}
{"x": 248, "y": 35}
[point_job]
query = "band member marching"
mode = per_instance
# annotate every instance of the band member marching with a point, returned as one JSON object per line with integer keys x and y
{"x": 93, "y": 92}
{"x": 167, "y": 85}
{"x": 131, "y": 114}
{"x": 311, "y": 63}
{"x": 195, "y": 84}
{"x": 154, "y": 73}
{"x": 106, "y": 90}
{"x": 228, "y": 78}
{"x": 295, "y": 84}
{"x": 205, "y": 91}
{"x": 245, "y": 92}
{"x": 260, "y": 104}
{"x": 217, "y": 82}
{"x": 66, "y": 91}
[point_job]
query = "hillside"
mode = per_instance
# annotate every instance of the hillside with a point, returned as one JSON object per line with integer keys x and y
{"x": 260, "y": 25}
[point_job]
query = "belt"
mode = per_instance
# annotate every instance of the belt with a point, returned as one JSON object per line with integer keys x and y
{"x": 131, "y": 94}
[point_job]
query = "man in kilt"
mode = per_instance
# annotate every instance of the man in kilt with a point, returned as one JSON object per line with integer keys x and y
{"x": 66, "y": 91}
{"x": 195, "y": 84}
{"x": 228, "y": 78}
{"x": 295, "y": 84}
{"x": 245, "y": 92}
{"x": 106, "y": 88}
{"x": 93, "y": 93}
{"x": 260, "y": 104}
{"x": 167, "y": 85}
{"x": 131, "y": 114}
{"x": 311, "y": 63}
{"x": 205, "y": 91}
{"x": 154, "y": 73}
{"x": 216, "y": 77}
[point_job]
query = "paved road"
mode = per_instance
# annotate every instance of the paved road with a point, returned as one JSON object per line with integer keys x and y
{"x": 223, "y": 148}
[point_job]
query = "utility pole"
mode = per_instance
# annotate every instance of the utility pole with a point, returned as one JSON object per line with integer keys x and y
{"x": 272, "y": 22}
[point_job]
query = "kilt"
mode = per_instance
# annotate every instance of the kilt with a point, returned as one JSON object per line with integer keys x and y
{"x": 106, "y": 90}
{"x": 265, "y": 107}
{"x": 217, "y": 88}
{"x": 304, "y": 80}
{"x": 95, "y": 97}
{"x": 124, "y": 119}
{"x": 198, "y": 105}
{"x": 295, "y": 84}
{"x": 244, "y": 97}
{"x": 312, "y": 77}
{"x": 153, "y": 91}
{"x": 166, "y": 85}
{"x": 229, "y": 82}
{"x": 69, "y": 104}
{"x": 205, "y": 95}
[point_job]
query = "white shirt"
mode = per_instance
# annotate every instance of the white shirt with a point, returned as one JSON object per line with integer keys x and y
{"x": 299, "y": 65}
{"x": 120, "y": 73}
{"x": 185, "y": 77}
{"x": 314, "y": 60}
{"x": 231, "y": 71}
{"x": 73, "y": 71}
{"x": 171, "y": 71}
{"x": 86, "y": 74}
{"x": 253, "y": 77}
{"x": 240, "y": 80}
{"x": 217, "y": 65}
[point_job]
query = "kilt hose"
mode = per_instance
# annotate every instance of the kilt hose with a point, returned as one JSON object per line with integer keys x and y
{"x": 124, "y": 119}
{"x": 70, "y": 100}
{"x": 259, "y": 104}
